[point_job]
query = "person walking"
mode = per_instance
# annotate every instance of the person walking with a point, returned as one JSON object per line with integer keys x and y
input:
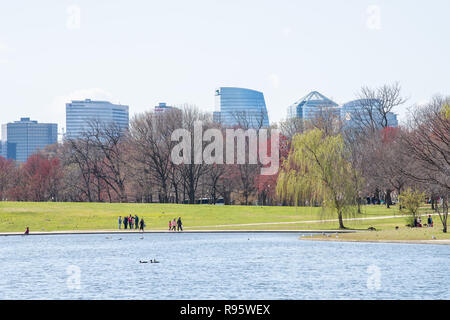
{"x": 170, "y": 225}
{"x": 120, "y": 222}
{"x": 136, "y": 221}
{"x": 174, "y": 225}
{"x": 125, "y": 222}
{"x": 142, "y": 225}
{"x": 179, "y": 224}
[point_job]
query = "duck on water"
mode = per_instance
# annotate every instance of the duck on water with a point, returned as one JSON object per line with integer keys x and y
{"x": 151, "y": 261}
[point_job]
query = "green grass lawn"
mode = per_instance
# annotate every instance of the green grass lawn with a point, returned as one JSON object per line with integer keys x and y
{"x": 51, "y": 216}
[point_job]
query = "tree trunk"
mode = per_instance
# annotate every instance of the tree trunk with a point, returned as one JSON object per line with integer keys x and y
{"x": 388, "y": 198}
{"x": 445, "y": 214}
{"x": 341, "y": 222}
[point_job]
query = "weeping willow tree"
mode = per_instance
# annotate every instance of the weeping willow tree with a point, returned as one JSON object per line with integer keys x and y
{"x": 318, "y": 169}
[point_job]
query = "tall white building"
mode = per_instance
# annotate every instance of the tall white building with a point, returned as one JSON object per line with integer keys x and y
{"x": 80, "y": 112}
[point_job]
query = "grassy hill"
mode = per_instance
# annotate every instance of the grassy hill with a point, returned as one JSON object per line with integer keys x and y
{"x": 53, "y": 216}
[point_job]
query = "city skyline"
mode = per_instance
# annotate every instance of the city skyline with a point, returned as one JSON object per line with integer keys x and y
{"x": 51, "y": 55}
{"x": 98, "y": 108}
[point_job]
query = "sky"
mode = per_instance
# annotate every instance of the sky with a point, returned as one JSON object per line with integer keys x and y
{"x": 140, "y": 53}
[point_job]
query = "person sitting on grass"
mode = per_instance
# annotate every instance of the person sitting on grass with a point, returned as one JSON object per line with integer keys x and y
{"x": 27, "y": 231}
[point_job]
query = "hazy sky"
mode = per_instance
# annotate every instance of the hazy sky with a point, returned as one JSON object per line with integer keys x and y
{"x": 140, "y": 53}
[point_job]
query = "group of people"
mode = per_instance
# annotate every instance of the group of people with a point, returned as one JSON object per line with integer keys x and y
{"x": 175, "y": 225}
{"x": 418, "y": 222}
{"x": 132, "y": 223}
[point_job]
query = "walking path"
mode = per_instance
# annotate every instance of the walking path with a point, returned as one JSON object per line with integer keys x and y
{"x": 295, "y": 222}
{"x": 46, "y": 233}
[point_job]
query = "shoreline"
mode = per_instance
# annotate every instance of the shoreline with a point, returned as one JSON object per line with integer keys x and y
{"x": 85, "y": 232}
{"x": 122, "y": 232}
{"x": 440, "y": 242}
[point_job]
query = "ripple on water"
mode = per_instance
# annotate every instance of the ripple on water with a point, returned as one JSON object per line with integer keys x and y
{"x": 219, "y": 266}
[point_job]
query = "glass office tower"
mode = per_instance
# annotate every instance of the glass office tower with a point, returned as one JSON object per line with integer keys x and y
{"x": 240, "y": 106}
{"x": 354, "y": 114}
{"x": 80, "y": 112}
{"x": 311, "y": 106}
{"x": 3, "y": 149}
{"x": 25, "y": 137}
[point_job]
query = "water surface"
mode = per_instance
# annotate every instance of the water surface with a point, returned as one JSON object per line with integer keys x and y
{"x": 218, "y": 266}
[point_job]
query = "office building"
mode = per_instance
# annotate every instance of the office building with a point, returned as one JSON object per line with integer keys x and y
{"x": 162, "y": 107}
{"x": 80, "y": 112}
{"x": 312, "y": 106}
{"x": 356, "y": 114}
{"x": 240, "y": 107}
{"x": 21, "y": 139}
{"x": 3, "y": 149}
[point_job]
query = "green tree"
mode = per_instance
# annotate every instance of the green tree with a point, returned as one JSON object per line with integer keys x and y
{"x": 411, "y": 200}
{"x": 446, "y": 111}
{"x": 318, "y": 169}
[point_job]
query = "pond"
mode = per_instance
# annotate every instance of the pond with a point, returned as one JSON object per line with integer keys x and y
{"x": 218, "y": 266}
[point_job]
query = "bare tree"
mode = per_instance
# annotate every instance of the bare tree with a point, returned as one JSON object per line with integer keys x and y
{"x": 82, "y": 154}
{"x": 249, "y": 119}
{"x": 375, "y": 105}
{"x": 109, "y": 141}
{"x": 192, "y": 173}
{"x": 325, "y": 119}
{"x": 290, "y": 127}
{"x": 427, "y": 143}
{"x": 151, "y": 147}
{"x": 101, "y": 159}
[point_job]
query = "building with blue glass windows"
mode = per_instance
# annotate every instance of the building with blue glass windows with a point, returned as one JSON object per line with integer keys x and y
{"x": 3, "y": 149}
{"x": 20, "y": 139}
{"x": 80, "y": 112}
{"x": 312, "y": 106}
{"x": 162, "y": 107}
{"x": 241, "y": 107}
{"x": 352, "y": 114}
{"x": 356, "y": 114}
